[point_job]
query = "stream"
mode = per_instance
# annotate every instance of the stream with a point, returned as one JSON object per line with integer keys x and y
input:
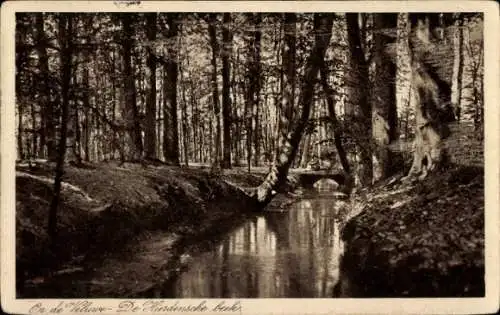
{"x": 293, "y": 252}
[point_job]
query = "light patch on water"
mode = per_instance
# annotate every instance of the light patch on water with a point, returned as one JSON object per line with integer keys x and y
{"x": 290, "y": 254}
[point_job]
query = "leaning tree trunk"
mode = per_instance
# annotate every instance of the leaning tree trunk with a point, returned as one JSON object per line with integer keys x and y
{"x": 291, "y": 133}
{"x": 431, "y": 98}
{"x": 384, "y": 111}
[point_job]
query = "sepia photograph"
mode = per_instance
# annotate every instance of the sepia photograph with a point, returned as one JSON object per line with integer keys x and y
{"x": 158, "y": 153}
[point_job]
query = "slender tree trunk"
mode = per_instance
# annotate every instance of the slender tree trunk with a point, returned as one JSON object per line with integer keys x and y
{"x": 184, "y": 120}
{"x": 289, "y": 67}
{"x": 194, "y": 120}
{"x": 134, "y": 139}
{"x": 20, "y": 144}
{"x": 235, "y": 119}
{"x": 150, "y": 127}
{"x": 45, "y": 104}
{"x": 250, "y": 90}
{"x": 384, "y": 111}
{"x": 337, "y": 133}
{"x": 257, "y": 87}
{"x": 86, "y": 116}
{"x": 460, "y": 69}
{"x": 226, "y": 100}
{"x": 65, "y": 34}
{"x": 21, "y": 59}
{"x": 34, "y": 133}
{"x": 170, "y": 132}
{"x": 291, "y": 134}
{"x": 216, "y": 162}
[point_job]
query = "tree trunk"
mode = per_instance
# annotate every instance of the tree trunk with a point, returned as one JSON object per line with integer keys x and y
{"x": 133, "y": 135}
{"x": 256, "y": 83}
{"x": 460, "y": 69}
{"x": 216, "y": 162}
{"x": 184, "y": 120}
{"x": 65, "y": 34}
{"x": 226, "y": 100}
{"x": 150, "y": 126}
{"x": 358, "y": 95}
{"x": 337, "y": 133}
{"x": 289, "y": 70}
{"x": 45, "y": 104}
{"x": 291, "y": 134}
{"x": 194, "y": 120}
{"x": 170, "y": 132}
{"x": 431, "y": 98}
{"x": 384, "y": 111}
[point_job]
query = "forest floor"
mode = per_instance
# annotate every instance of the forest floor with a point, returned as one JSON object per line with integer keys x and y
{"x": 106, "y": 212}
{"x": 421, "y": 239}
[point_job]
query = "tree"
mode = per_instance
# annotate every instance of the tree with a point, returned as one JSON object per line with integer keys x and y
{"x": 133, "y": 134}
{"x": 460, "y": 65}
{"x": 337, "y": 133}
{"x": 150, "y": 127}
{"x": 431, "y": 99}
{"x": 289, "y": 68}
{"x": 255, "y": 86}
{"x": 291, "y": 131}
{"x": 359, "y": 108}
{"x": 48, "y": 110}
{"x": 384, "y": 115}
{"x": 66, "y": 51}
{"x": 170, "y": 132}
{"x": 212, "y": 33}
{"x": 226, "y": 100}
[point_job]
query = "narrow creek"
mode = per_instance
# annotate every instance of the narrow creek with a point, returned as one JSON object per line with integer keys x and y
{"x": 292, "y": 252}
{"x": 285, "y": 251}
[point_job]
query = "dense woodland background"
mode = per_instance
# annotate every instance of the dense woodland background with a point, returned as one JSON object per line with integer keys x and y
{"x": 196, "y": 88}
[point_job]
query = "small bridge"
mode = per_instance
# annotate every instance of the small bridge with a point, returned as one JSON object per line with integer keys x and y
{"x": 307, "y": 178}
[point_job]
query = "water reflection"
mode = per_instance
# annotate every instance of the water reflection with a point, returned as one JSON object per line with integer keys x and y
{"x": 278, "y": 254}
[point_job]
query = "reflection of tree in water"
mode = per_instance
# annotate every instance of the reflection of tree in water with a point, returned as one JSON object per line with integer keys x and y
{"x": 280, "y": 254}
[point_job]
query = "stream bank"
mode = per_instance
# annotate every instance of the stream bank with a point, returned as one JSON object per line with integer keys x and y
{"x": 107, "y": 211}
{"x": 423, "y": 239}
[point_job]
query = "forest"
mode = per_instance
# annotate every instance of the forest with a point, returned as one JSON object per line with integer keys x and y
{"x": 365, "y": 95}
